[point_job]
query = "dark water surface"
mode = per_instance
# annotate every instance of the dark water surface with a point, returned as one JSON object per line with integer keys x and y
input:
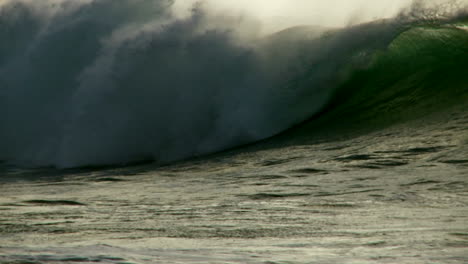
{"x": 397, "y": 195}
{"x": 377, "y": 173}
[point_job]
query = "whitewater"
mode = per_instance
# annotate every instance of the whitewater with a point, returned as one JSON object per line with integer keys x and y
{"x": 158, "y": 131}
{"x": 115, "y": 82}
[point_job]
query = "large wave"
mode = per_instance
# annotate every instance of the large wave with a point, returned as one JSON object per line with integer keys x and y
{"x": 117, "y": 81}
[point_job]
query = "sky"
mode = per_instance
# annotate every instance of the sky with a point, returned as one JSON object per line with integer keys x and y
{"x": 275, "y": 15}
{"x": 278, "y": 14}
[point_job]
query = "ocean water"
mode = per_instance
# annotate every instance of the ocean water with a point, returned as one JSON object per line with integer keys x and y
{"x": 131, "y": 136}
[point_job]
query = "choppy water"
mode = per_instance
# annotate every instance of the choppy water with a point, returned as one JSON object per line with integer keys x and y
{"x": 376, "y": 173}
{"x": 392, "y": 196}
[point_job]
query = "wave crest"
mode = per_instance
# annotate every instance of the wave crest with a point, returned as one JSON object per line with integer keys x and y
{"x": 107, "y": 82}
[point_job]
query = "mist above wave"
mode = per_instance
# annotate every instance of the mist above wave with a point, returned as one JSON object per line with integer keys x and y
{"x": 116, "y": 81}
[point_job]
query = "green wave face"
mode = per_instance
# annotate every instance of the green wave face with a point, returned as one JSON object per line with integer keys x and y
{"x": 424, "y": 70}
{"x": 114, "y": 82}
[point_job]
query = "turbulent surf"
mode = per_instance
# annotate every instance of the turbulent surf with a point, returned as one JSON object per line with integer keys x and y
{"x": 116, "y": 82}
{"x": 334, "y": 143}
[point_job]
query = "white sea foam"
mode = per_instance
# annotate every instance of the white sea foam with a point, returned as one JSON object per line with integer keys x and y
{"x": 116, "y": 81}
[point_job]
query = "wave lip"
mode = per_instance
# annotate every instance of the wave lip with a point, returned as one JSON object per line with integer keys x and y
{"x": 112, "y": 82}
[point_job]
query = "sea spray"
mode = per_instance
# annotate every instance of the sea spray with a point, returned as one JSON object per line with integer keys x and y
{"x": 113, "y": 82}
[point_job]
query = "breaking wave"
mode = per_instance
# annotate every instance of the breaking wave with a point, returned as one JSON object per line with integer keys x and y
{"x": 119, "y": 81}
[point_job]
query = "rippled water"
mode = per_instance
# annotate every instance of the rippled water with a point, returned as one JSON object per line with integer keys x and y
{"x": 397, "y": 195}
